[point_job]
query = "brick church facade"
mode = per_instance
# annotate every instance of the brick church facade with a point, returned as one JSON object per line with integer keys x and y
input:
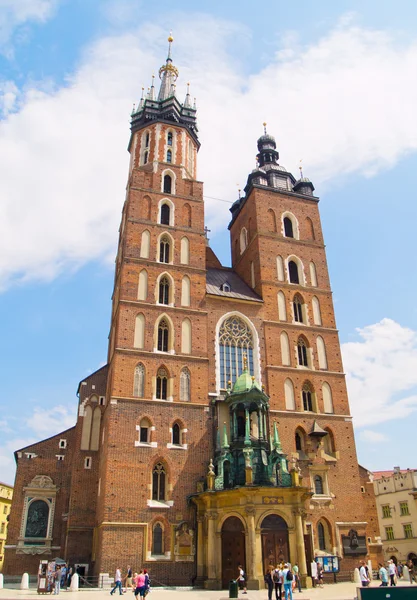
{"x": 219, "y": 431}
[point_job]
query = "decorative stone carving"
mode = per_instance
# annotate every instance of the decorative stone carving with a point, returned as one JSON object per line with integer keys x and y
{"x": 42, "y": 482}
{"x": 184, "y": 549}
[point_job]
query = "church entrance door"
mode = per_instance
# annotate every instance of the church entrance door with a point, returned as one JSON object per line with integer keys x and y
{"x": 275, "y": 548}
{"x": 233, "y": 549}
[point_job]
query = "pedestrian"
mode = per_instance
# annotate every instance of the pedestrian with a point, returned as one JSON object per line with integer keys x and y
{"x": 128, "y": 578}
{"x": 241, "y": 579}
{"x": 411, "y": 571}
{"x": 296, "y": 572}
{"x": 364, "y": 574}
{"x": 63, "y": 575}
{"x": 147, "y": 582}
{"x": 383, "y": 575}
{"x": 117, "y": 582}
{"x": 392, "y": 570}
{"x": 140, "y": 585}
{"x": 400, "y": 569}
{"x": 320, "y": 581}
{"x": 57, "y": 580}
{"x": 269, "y": 582}
{"x": 69, "y": 576}
{"x": 277, "y": 579}
{"x": 287, "y": 579}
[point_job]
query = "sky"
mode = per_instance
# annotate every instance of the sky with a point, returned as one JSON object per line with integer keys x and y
{"x": 336, "y": 84}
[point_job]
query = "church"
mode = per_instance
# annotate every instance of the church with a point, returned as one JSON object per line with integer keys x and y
{"x": 219, "y": 431}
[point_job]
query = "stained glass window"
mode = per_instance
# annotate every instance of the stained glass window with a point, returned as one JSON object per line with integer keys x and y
{"x": 235, "y": 341}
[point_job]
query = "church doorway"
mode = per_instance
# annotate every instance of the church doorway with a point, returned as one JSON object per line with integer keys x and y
{"x": 233, "y": 549}
{"x": 275, "y": 547}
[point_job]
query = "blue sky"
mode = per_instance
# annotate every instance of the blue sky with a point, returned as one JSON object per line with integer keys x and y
{"x": 336, "y": 84}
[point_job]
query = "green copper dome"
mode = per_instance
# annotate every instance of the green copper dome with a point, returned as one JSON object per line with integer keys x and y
{"x": 245, "y": 382}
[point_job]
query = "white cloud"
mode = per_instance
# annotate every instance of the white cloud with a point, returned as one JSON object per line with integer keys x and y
{"x": 49, "y": 422}
{"x": 62, "y": 152}
{"x": 376, "y": 437}
{"x": 14, "y": 13}
{"x": 381, "y": 373}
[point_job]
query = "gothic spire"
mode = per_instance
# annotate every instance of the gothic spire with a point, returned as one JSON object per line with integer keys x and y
{"x": 168, "y": 74}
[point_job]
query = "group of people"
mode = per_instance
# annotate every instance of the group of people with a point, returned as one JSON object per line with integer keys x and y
{"x": 140, "y": 582}
{"x": 283, "y": 578}
{"x": 59, "y": 578}
{"x": 387, "y": 574}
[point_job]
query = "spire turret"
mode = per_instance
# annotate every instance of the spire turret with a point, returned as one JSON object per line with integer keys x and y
{"x": 168, "y": 74}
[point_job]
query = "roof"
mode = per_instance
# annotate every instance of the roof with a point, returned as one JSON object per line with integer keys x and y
{"x": 238, "y": 288}
{"x": 381, "y": 474}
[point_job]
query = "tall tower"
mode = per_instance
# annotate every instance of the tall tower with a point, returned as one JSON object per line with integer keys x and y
{"x": 157, "y": 385}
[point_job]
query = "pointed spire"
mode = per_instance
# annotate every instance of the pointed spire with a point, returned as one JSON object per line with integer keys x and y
{"x": 187, "y": 101}
{"x": 168, "y": 74}
{"x": 152, "y": 92}
{"x": 141, "y": 99}
{"x": 277, "y": 442}
{"x": 225, "y": 440}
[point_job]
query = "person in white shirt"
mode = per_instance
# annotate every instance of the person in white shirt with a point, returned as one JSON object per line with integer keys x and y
{"x": 364, "y": 575}
{"x": 392, "y": 570}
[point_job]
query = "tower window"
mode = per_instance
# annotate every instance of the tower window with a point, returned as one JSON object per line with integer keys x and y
{"x": 163, "y": 335}
{"x": 165, "y": 212}
{"x": 318, "y": 485}
{"x": 164, "y": 249}
{"x": 302, "y": 353}
{"x": 145, "y": 157}
{"x": 321, "y": 535}
{"x": 298, "y": 309}
{"x": 169, "y": 138}
{"x": 185, "y": 385}
{"x": 164, "y": 291}
{"x": 235, "y": 341}
{"x": 147, "y": 140}
{"x": 139, "y": 381}
{"x": 288, "y": 228}
{"x": 298, "y": 442}
{"x": 293, "y": 272}
{"x": 144, "y": 430}
{"x": 307, "y": 398}
{"x": 176, "y": 435}
{"x": 169, "y": 156}
{"x": 167, "y": 185}
{"x": 161, "y": 384}
{"x": 157, "y": 547}
{"x": 158, "y": 482}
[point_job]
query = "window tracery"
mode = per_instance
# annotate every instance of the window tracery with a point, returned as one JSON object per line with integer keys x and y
{"x": 235, "y": 341}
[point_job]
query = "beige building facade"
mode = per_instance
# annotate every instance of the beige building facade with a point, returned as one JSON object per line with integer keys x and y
{"x": 6, "y": 494}
{"x": 396, "y": 498}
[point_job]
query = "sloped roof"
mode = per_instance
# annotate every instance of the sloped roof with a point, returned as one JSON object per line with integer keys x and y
{"x": 381, "y": 474}
{"x": 238, "y": 288}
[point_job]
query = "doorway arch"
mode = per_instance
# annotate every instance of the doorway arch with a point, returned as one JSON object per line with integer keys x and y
{"x": 233, "y": 549}
{"x": 275, "y": 546}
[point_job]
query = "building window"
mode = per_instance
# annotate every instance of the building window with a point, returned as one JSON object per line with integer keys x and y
{"x": 165, "y": 212}
{"x": 158, "y": 482}
{"x": 87, "y": 462}
{"x": 404, "y": 510}
{"x": 288, "y": 228}
{"x": 298, "y": 442}
{"x": 161, "y": 384}
{"x": 2, "y": 528}
{"x": 163, "y": 336}
{"x": 389, "y": 532}
{"x": 167, "y": 184}
{"x": 62, "y": 443}
{"x": 139, "y": 381}
{"x": 321, "y": 536}
{"x": 60, "y": 457}
{"x": 37, "y": 519}
{"x": 307, "y": 394}
{"x": 185, "y": 385}
{"x": 144, "y": 431}
{"x": 164, "y": 247}
{"x": 176, "y": 435}
{"x": 318, "y": 485}
{"x": 147, "y": 140}
{"x": 169, "y": 156}
{"x": 302, "y": 353}
{"x": 145, "y": 157}
{"x": 298, "y": 309}
{"x": 386, "y": 511}
{"x": 235, "y": 341}
{"x": 243, "y": 239}
{"x": 169, "y": 138}
{"x": 164, "y": 291}
{"x": 408, "y": 531}
{"x": 293, "y": 272}
{"x": 157, "y": 537}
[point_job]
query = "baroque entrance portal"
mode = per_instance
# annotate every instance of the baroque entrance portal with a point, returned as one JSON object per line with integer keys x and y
{"x": 233, "y": 549}
{"x": 275, "y": 548}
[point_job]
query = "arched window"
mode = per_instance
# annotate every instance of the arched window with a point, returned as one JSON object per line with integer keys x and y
{"x": 320, "y": 533}
{"x": 158, "y": 482}
{"x": 145, "y": 157}
{"x": 139, "y": 381}
{"x": 185, "y": 385}
{"x": 272, "y": 220}
{"x": 313, "y": 274}
{"x": 185, "y": 291}
{"x": 318, "y": 485}
{"x": 327, "y": 398}
{"x": 316, "y": 310}
{"x": 164, "y": 290}
{"x": 235, "y": 341}
{"x": 164, "y": 249}
{"x": 157, "y": 540}
{"x": 289, "y": 395}
{"x": 310, "y": 229}
{"x": 187, "y": 215}
{"x": 144, "y": 431}
{"x": 280, "y": 268}
{"x": 288, "y": 228}
{"x": 95, "y": 429}
{"x": 282, "y": 309}
{"x": 165, "y": 212}
{"x": 307, "y": 394}
{"x": 167, "y": 184}
{"x": 176, "y": 435}
{"x": 37, "y": 519}
{"x": 185, "y": 251}
{"x": 297, "y": 304}
{"x": 293, "y": 272}
{"x": 321, "y": 353}
{"x": 285, "y": 350}
{"x": 143, "y": 285}
{"x": 298, "y": 442}
{"x": 186, "y": 336}
{"x": 162, "y": 384}
{"x": 86, "y": 430}
{"x": 302, "y": 352}
{"x": 147, "y": 140}
{"x": 328, "y": 442}
{"x": 139, "y": 339}
{"x": 169, "y": 138}
{"x": 169, "y": 156}
{"x": 145, "y": 244}
{"x": 163, "y": 336}
{"x": 243, "y": 239}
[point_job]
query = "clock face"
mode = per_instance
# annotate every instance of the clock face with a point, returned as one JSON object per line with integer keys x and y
{"x": 264, "y": 458}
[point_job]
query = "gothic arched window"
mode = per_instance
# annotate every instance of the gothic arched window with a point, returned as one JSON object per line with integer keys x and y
{"x": 161, "y": 384}
{"x": 164, "y": 290}
{"x": 185, "y": 385}
{"x": 37, "y": 519}
{"x": 321, "y": 535}
{"x": 145, "y": 157}
{"x": 293, "y": 272}
{"x": 164, "y": 248}
{"x": 139, "y": 381}
{"x": 307, "y": 394}
{"x": 169, "y": 138}
{"x": 157, "y": 538}
{"x": 235, "y": 341}
{"x": 302, "y": 353}
{"x": 165, "y": 212}
{"x": 298, "y": 442}
{"x": 298, "y": 309}
{"x": 288, "y": 228}
{"x": 163, "y": 335}
{"x": 318, "y": 485}
{"x": 169, "y": 156}
{"x": 167, "y": 184}
{"x": 147, "y": 140}
{"x": 158, "y": 482}
{"x": 176, "y": 435}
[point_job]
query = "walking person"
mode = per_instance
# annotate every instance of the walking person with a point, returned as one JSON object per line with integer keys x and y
{"x": 411, "y": 571}
{"x": 128, "y": 578}
{"x": 383, "y": 575}
{"x": 147, "y": 582}
{"x": 140, "y": 585}
{"x": 296, "y": 572}
{"x": 392, "y": 570}
{"x": 63, "y": 575}
{"x": 320, "y": 580}
{"x": 269, "y": 582}
{"x": 241, "y": 579}
{"x": 117, "y": 582}
{"x": 287, "y": 579}
{"x": 57, "y": 580}
{"x": 364, "y": 574}
{"x": 277, "y": 579}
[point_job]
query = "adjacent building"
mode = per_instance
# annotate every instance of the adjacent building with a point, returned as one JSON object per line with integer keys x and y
{"x": 219, "y": 431}
{"x": 6, "y": 495}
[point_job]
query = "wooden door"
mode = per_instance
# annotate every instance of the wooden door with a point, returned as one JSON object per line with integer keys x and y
{"x": 233, "y": 549}
{"x": 275, "y": 547}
